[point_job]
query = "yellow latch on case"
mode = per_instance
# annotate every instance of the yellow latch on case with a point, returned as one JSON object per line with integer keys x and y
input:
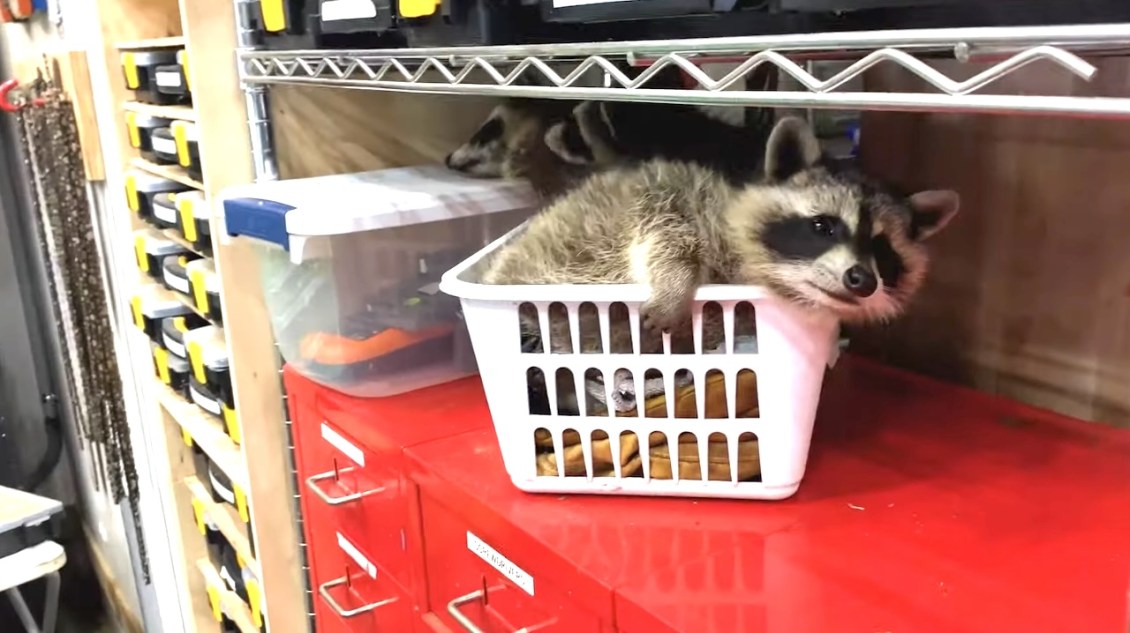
{"x": 417, "y": 8}
{"x": 180, "y": 135}
{"x": 134, "y": 133}
{"x": 138, "y": 317}
{"x": 196, "y": 357}
{"x": 182, "y": 59}
{"x": 129, "y": 65}
{"x": 274, "y": 15}
{"x": 131, "y": 193}
{"x": 187, "y": 217}
{"x": 199, "y": 293}
{"x": 139, "y": 250}
{"x": 161, "y": 357}
{"x": 231, "y": 421}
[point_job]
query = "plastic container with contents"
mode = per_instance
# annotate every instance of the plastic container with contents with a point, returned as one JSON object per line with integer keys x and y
{"x": 140, "y": 70}
{"x": 151, "y": 249}
{"x": 173, "y": 370}
{"x": 173, "y": 330}
{"x": 193, "y": 220}
{"x": 203, "y": 397}
{"x": 170, "y": 81}
{"x": 205, "y": 288}
{"x": 208, "y": 358}
{"x": 165, "y": 210}
{"x": 175, "y": 273}
{"x": 350, "y": 266}
{"x": 151, "y": 306}
{"x": 188, "y": 148}
{"x": 164, "y": 146}
{"x": 140, "y": 127}
{"x": 726, "y": 410}
{"x": 142, "y": 188}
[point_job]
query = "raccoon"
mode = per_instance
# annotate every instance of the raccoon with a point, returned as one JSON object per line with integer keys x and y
{"x": 510, "y": 144}
{"x": 623, "y": 132}
{"x": 823, "y": 238}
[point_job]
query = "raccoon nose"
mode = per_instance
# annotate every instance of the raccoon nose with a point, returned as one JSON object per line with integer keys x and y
{"x": 860, "y": 281}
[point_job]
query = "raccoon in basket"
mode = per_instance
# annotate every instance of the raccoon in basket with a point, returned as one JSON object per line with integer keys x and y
{"x": 826, "y": 240}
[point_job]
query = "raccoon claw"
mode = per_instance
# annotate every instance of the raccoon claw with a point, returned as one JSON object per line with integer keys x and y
{"x": 655, "y": 320}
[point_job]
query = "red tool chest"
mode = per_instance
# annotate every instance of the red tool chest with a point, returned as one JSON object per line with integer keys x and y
{"x": 926, "y": 507}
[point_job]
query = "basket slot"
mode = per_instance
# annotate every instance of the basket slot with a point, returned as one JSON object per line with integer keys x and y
{"x": 590, "y": 329}
{"x": 573, "y": 313}
{"x": 567, "y": 402}
{"x": 602, "y": 314}
{"x": 713, "y": 330}
{"x": 531, "y": 336}
{"x": 704, "y": 454}
{"x": 562, "y": 336}
{"x": 745, "y": 328}
{"x": 537, "y": 391}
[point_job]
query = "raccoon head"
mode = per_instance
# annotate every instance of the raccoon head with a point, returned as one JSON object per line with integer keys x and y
{"x": 509, "y": 127}
{"x": 836, "y": 239}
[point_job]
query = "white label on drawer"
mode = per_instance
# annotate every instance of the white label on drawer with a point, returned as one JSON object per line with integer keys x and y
{"x": 354, "y": 553}
{"x": 348, "y": 10}
{"x": 168, "y": 79}
{"x": 501, "y": 563}
{"x": 164, "y": 145}
{"x": 176, "y": 282}
{"x": 560, "y": 4}
{"x": 165, "y": 213}
{"x": 175, "y": 348}
{"x": 345, "y": 446}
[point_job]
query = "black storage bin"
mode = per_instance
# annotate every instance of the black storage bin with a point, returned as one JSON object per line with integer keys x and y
{"x": 151, "y": 250}
{"x": 141, "y": 128}
{"x": 193, "y": 221}
{"x": 150, "y": 309}
{"x": 298, "y": 24}
{"x": 173, "y": 272}
{"x": 208, "y": 357}
{"x": 173, "y": 370}
{"x": 188, "y": 147}
{"x": 165, "y": 210}
{"x": 171, "y": 81}
{"x": 202, "y": 396}
{"x": 142, "y": 188}
{"x": 173, "y": 330}
{"x": 164, "y": 146}
{"x": 140, "y": 70}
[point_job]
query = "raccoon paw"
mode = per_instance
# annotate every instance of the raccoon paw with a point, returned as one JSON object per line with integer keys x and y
{"x": 658, "y": 318}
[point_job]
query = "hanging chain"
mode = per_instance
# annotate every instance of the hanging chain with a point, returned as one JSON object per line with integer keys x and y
{"x": 79, "y": 286}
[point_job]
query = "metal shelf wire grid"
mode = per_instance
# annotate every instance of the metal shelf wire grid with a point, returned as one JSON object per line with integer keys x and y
{"x": 560, "y": 69}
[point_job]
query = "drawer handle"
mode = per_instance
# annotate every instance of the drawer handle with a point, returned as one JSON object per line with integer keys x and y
{"x": 312, "y": 484}
{"x": 324, "y": 591}
{"x": 464, "y": 621}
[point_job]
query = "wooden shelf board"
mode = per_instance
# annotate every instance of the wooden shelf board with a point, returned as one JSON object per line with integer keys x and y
{"x": 176, "y": 41}
{"x": 172, "y": 234}
{"x": 172, "y": 172}
{"x": 207, "y": 432}
{"x": 181, "y": 112}
{"x": 235, "y": 608}
{"x": 227, "y": 520}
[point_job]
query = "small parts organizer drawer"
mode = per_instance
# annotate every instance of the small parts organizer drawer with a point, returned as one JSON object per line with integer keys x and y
{"x": 365, "y": 500}
{"x": 353, "y": 593}
{"x": 478, "y": 584}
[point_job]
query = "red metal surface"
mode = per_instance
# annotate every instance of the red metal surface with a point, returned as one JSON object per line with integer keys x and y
{"x": 926, "y": 507}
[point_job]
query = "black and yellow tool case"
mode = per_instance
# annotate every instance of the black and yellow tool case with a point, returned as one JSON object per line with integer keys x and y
{"x": 150, "y": 308}
{"x": 165, "y": 211}
{"x": 140, "y": 127}
{"x": 140, "y": 70}
{"x": 205, "y": 287}
{"x": 173, "y": 370}
{"x": 203, "y": 397}
{"x": 174, "y": 272}
{"x": 193, "y": 220}
{"x": 142, "y": 189}
{"x": 164, "y": 146}
{"x": 150, "y": 250}
{"x": 208, "y": 356}
{"x": 186, "y": 137}
{"x": 171, "y": 80}
{"x": 173, "y": 330}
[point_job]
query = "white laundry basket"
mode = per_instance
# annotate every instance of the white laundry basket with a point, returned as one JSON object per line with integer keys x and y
{"x": 787, "y": 354}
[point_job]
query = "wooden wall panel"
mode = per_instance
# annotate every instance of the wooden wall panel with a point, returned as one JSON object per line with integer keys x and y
{"x": 1029, "y": 296}
{"x": 319, "y": 131}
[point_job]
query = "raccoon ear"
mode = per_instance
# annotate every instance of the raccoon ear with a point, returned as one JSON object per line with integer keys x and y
{"x": 932, "y": 211}
{"x": 792, "y": 148}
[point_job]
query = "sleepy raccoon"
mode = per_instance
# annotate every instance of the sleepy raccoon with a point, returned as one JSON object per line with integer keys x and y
{"x": 830, "y": 241}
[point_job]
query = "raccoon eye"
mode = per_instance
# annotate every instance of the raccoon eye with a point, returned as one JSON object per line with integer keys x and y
{"x": 824, "y": 225}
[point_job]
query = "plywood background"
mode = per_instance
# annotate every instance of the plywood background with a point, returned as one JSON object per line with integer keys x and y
{"x": 319, "y": 131}
{"x": 1030, "y": 291}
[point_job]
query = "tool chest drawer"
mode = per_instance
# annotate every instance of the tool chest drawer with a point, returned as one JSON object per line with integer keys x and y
{"x": 477, "y": 583}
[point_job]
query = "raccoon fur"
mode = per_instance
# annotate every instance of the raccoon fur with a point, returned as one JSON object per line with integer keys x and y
{"x": 825, "y": 239}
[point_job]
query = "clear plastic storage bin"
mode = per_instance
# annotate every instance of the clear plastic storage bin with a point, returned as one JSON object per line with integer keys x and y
{"x": 350, "y": 267}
